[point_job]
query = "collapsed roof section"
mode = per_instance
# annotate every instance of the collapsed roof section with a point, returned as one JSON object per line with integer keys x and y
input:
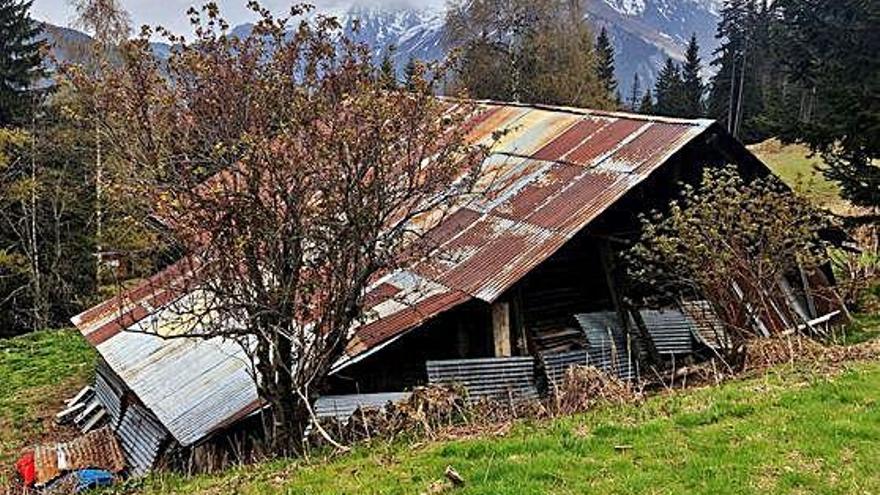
{"x": 552, "y": 172}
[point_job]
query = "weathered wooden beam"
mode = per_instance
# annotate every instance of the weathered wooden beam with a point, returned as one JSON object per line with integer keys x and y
{"x": 501, "y": 328}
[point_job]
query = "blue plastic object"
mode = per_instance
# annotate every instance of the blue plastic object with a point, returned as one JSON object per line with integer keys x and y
{"x": 88, "y": 479}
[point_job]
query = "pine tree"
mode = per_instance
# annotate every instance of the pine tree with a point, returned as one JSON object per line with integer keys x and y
{"x": 410, "y": 73}
{"x": 693, "y": 84}
{"x": 736, "y": 97}
{"x": 669, "y": 90}
{"x": 636, "y": 93}
{"x": 387, "y": 71}
{"x": 829, "y": 86}
{"x": 647, "y": 105}
{"x": 20, "y": 57}
{"x": 605, "y": 65}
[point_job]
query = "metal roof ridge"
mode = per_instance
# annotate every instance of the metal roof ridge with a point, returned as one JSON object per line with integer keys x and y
{"x": 589, "y": 111}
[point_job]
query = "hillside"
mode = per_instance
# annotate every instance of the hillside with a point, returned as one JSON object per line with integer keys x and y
{"x": 767, "y": 434}
{"x": 38, "y": 372}
{"x": 802, "y": 171}
{"x": 793, "y": 431}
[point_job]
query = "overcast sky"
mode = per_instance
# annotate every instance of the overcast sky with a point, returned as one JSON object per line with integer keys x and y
{"x": 171, "y": 13}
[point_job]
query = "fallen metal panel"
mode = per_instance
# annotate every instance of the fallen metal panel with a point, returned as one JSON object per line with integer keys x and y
{"x": 108, "y": 398}
{"x": 671, "y": 330}
{"x": 141, "y": 435}
{"x": 342, "y": 407}
{"x": 608, "y": 347}
{"x": 557, "y": 363}
{"x": 708, "y": 328}
{"x": 190, "y": 384}
{"x": 488, "y": 378}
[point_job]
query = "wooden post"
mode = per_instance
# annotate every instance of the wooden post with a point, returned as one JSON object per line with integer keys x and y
{"x": 501, "y": 328}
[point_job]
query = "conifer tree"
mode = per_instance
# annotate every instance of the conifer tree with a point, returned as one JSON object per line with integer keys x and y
{"x": 669, "y": 90}
{"x": 605, "y": 65}
{"x": 635, "y": 93}
{"x": 20, "y": 57}
{"x": 387, "y": 71}
{"x": 736, "y": 97}
{"x": 410, "y": 73}
{"x": 535, "y": 51}
{"x": 647, "y": 105}
{"x": 831, "y": 83}
{"x": 693, "y": 83}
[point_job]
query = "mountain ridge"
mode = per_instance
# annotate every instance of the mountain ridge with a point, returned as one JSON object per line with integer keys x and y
{"x": 643, "y": 32}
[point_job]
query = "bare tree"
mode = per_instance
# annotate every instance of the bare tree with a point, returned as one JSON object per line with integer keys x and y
{"x": 291, "y": 177}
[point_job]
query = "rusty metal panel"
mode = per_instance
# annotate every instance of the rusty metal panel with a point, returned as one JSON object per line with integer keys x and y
{"x": 409, "y": 316}
{"x": 644, "y": 148}
{"x": 604, "y": 141}
{"x": 571, "y": 138}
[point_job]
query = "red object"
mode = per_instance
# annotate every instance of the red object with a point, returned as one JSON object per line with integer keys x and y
{"x": 27, "y": 469}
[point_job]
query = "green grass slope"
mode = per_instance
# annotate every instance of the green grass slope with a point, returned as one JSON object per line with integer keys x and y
{"x": 37, "y": 372}
{"x": 792, "y": 431}
{"x": 803, "y": 173}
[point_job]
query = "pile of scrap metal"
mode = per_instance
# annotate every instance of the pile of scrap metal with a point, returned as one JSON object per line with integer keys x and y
{"x": 92, "y": 460}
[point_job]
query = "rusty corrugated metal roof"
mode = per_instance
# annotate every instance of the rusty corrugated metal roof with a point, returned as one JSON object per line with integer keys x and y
{"x": 552, "y": 173}
{"x": 549, "y": 175}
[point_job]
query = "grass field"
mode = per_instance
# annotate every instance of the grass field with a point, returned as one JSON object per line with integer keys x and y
{"x": 37, "y": 372}
{"x": 791, "y": 431}
{"x": 803, "y": 173}
{"x": 794, "y": 430}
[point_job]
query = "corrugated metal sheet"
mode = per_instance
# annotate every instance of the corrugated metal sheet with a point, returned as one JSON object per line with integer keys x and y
{"x": 492, "y": 378}
{"x": 342, "y": 407}
{"x": 141, "y": 436}
{"x": 708, "y": 328}
{"x": 108, "y": 397}
{"x": 552, "y": 173}
{"x": 557, "y": 363}
{"x": 671, "y": 330}
{"x": 608, "y": 347}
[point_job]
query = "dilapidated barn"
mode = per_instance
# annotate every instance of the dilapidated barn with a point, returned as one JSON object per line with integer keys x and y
{"x": 522, "y": 285}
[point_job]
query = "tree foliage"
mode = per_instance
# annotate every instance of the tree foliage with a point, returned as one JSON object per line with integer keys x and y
{"x": 646, "y": 106}
{"x": 605, "y": 65}
{"x": 291, "y": 177}
{"x": 46, "y": 235}
{"x": 670, "y": 91}
{"x": 830, "y": 84}
{"x": 730, "y": 241}
{"x": 692, "y": 81}
{"x": 20, "y": 58}
{"x": 531, "y": 51}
